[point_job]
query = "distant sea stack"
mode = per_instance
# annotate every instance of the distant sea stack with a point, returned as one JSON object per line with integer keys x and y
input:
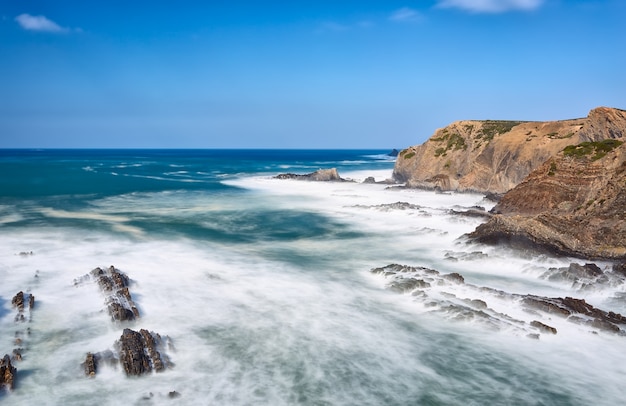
{"x": 491, "y": 156}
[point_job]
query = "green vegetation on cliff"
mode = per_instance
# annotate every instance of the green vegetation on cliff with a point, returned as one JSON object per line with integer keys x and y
{"x": 491, "y": 128}
{"x": 598, "y": 148}
{"x": 453, "y": 142}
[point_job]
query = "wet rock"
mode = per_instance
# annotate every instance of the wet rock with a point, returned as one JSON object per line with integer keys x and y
{"x": 454, "y": 277}
{"x": 392, "y": 206}
{"x": 369, "y": 179}
{"x": 138, "y": 352}
{"x": 620, "y": 268}
{"x": 91, "y": 364}
{"x": 447, "y": 295}
{"x": 8, "y": 374}
{"x": 407, "y": 285}
{"x": 321, "y": 175}
{"x": 115, "y": 284}
{"x": 545, "y": 305}
{"x": 579, "y": 275}
{"x": 543, "y": 327}
{"x": 18, "y": 301}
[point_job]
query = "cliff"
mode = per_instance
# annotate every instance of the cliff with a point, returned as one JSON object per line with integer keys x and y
{"x": 573, "y": 204}
{"x": 495, "y": 156}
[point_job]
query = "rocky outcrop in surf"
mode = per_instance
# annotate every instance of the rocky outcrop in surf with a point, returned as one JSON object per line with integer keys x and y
{"x": 495, "y": 156}
{"x": 321, "y": 175}
{"x": 137, "y": 352}
{"x": 451, "y": 297}
{"x": 114, "y": 284}
{"x": 7, "y": 374}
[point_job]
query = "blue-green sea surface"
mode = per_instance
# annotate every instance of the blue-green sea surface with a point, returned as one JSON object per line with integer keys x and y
{"x": 265, "y": 290}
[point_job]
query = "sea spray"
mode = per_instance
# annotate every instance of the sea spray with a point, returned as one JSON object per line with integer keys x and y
{"x": 265, "y": 288}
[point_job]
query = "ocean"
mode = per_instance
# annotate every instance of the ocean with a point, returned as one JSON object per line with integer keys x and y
{"x": 265, "y": 286}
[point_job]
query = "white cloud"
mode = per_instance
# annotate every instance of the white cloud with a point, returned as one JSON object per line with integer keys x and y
{"x": 38, "y": 23}
{"x": 491, "y": 6}
{"x": 405, "y": 14}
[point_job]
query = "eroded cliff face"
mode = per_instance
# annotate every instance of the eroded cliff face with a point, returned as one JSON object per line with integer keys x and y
{"x": 495, "y": 156}
{"x": 573, "y": 204}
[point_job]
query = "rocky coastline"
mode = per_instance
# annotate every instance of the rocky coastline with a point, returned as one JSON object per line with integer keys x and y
{"x": 560, "y": 186}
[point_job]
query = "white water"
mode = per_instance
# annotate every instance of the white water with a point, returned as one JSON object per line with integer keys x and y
{"x": 296, "y": 321}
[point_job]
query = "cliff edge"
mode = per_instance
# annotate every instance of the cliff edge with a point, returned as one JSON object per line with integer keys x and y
{"x": 573, "y": 204}
{"x": 495, "y": 156}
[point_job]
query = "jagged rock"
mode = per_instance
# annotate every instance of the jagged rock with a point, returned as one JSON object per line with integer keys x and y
{"x": 454, "y": 277}
{"x": 8, "y": 374}
{"x": 543, "y": 327}
{"x": 321, "y": 175}
{"x": 114, "y": 283}
{"x": 620, "y": 268}
{"x": 138, "y": 352}
{"x": 584, "y": 276}
{"x": 370, "y": 179}
{"x": 408, "y": 285}
{"x": 91, "y": 364}
{"x": 18, "y": 301}
{"x": 443, "y": 293}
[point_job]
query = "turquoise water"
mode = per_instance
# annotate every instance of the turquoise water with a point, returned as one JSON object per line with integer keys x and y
{"x": 264, "y": 286}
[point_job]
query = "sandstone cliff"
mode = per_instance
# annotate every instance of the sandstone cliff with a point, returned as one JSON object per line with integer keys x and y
{"x": 573, "y": 204}
{"x": 495, "y": 156}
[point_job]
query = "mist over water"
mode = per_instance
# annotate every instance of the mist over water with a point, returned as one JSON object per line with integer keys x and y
{"x": 264, "y": 287}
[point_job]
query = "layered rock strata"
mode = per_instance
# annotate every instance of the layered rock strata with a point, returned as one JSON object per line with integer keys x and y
{"x": 574, "y": 204}
{"x": 451, "y": 297}
{"x": 7, "y": 374}
{"x": 495, "y": 156}
{"x": 137, "y": 352}
{"x": 114, "y": 284}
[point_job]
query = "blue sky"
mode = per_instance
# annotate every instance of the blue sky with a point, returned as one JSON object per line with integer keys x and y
{"x": 297, "y": 74}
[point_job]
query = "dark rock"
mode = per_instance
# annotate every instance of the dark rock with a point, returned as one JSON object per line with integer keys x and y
{"x": 620, "y": 268}
{"x": 138, "y": 352}
{"x": 543, "y": 327}
{"x": 494, "y": 197}
{"x": 369, "y": 179}
{"x": 114, "y": 283}
{"x": 18, "y": 301}
{"x": 394, "y": 152}
{"x": 8, "y": 374}
{"x": 407, "y": 285}
{"x": 454, "y": 277}
{"x": 321, "y": 175}
{"x": 545, "y": 305}
{"x": 91, "y": 364}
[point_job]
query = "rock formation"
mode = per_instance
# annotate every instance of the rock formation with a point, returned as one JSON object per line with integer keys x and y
{"x": 137, "y": 352}
{"x": 114, "y": 284}
{"x": 7, "y": 374}
{"x": 321, "y": 175}
{"x": 495, "y": 156}
{"x": 450, "y": 296}
{"x": 573, "y": 204}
